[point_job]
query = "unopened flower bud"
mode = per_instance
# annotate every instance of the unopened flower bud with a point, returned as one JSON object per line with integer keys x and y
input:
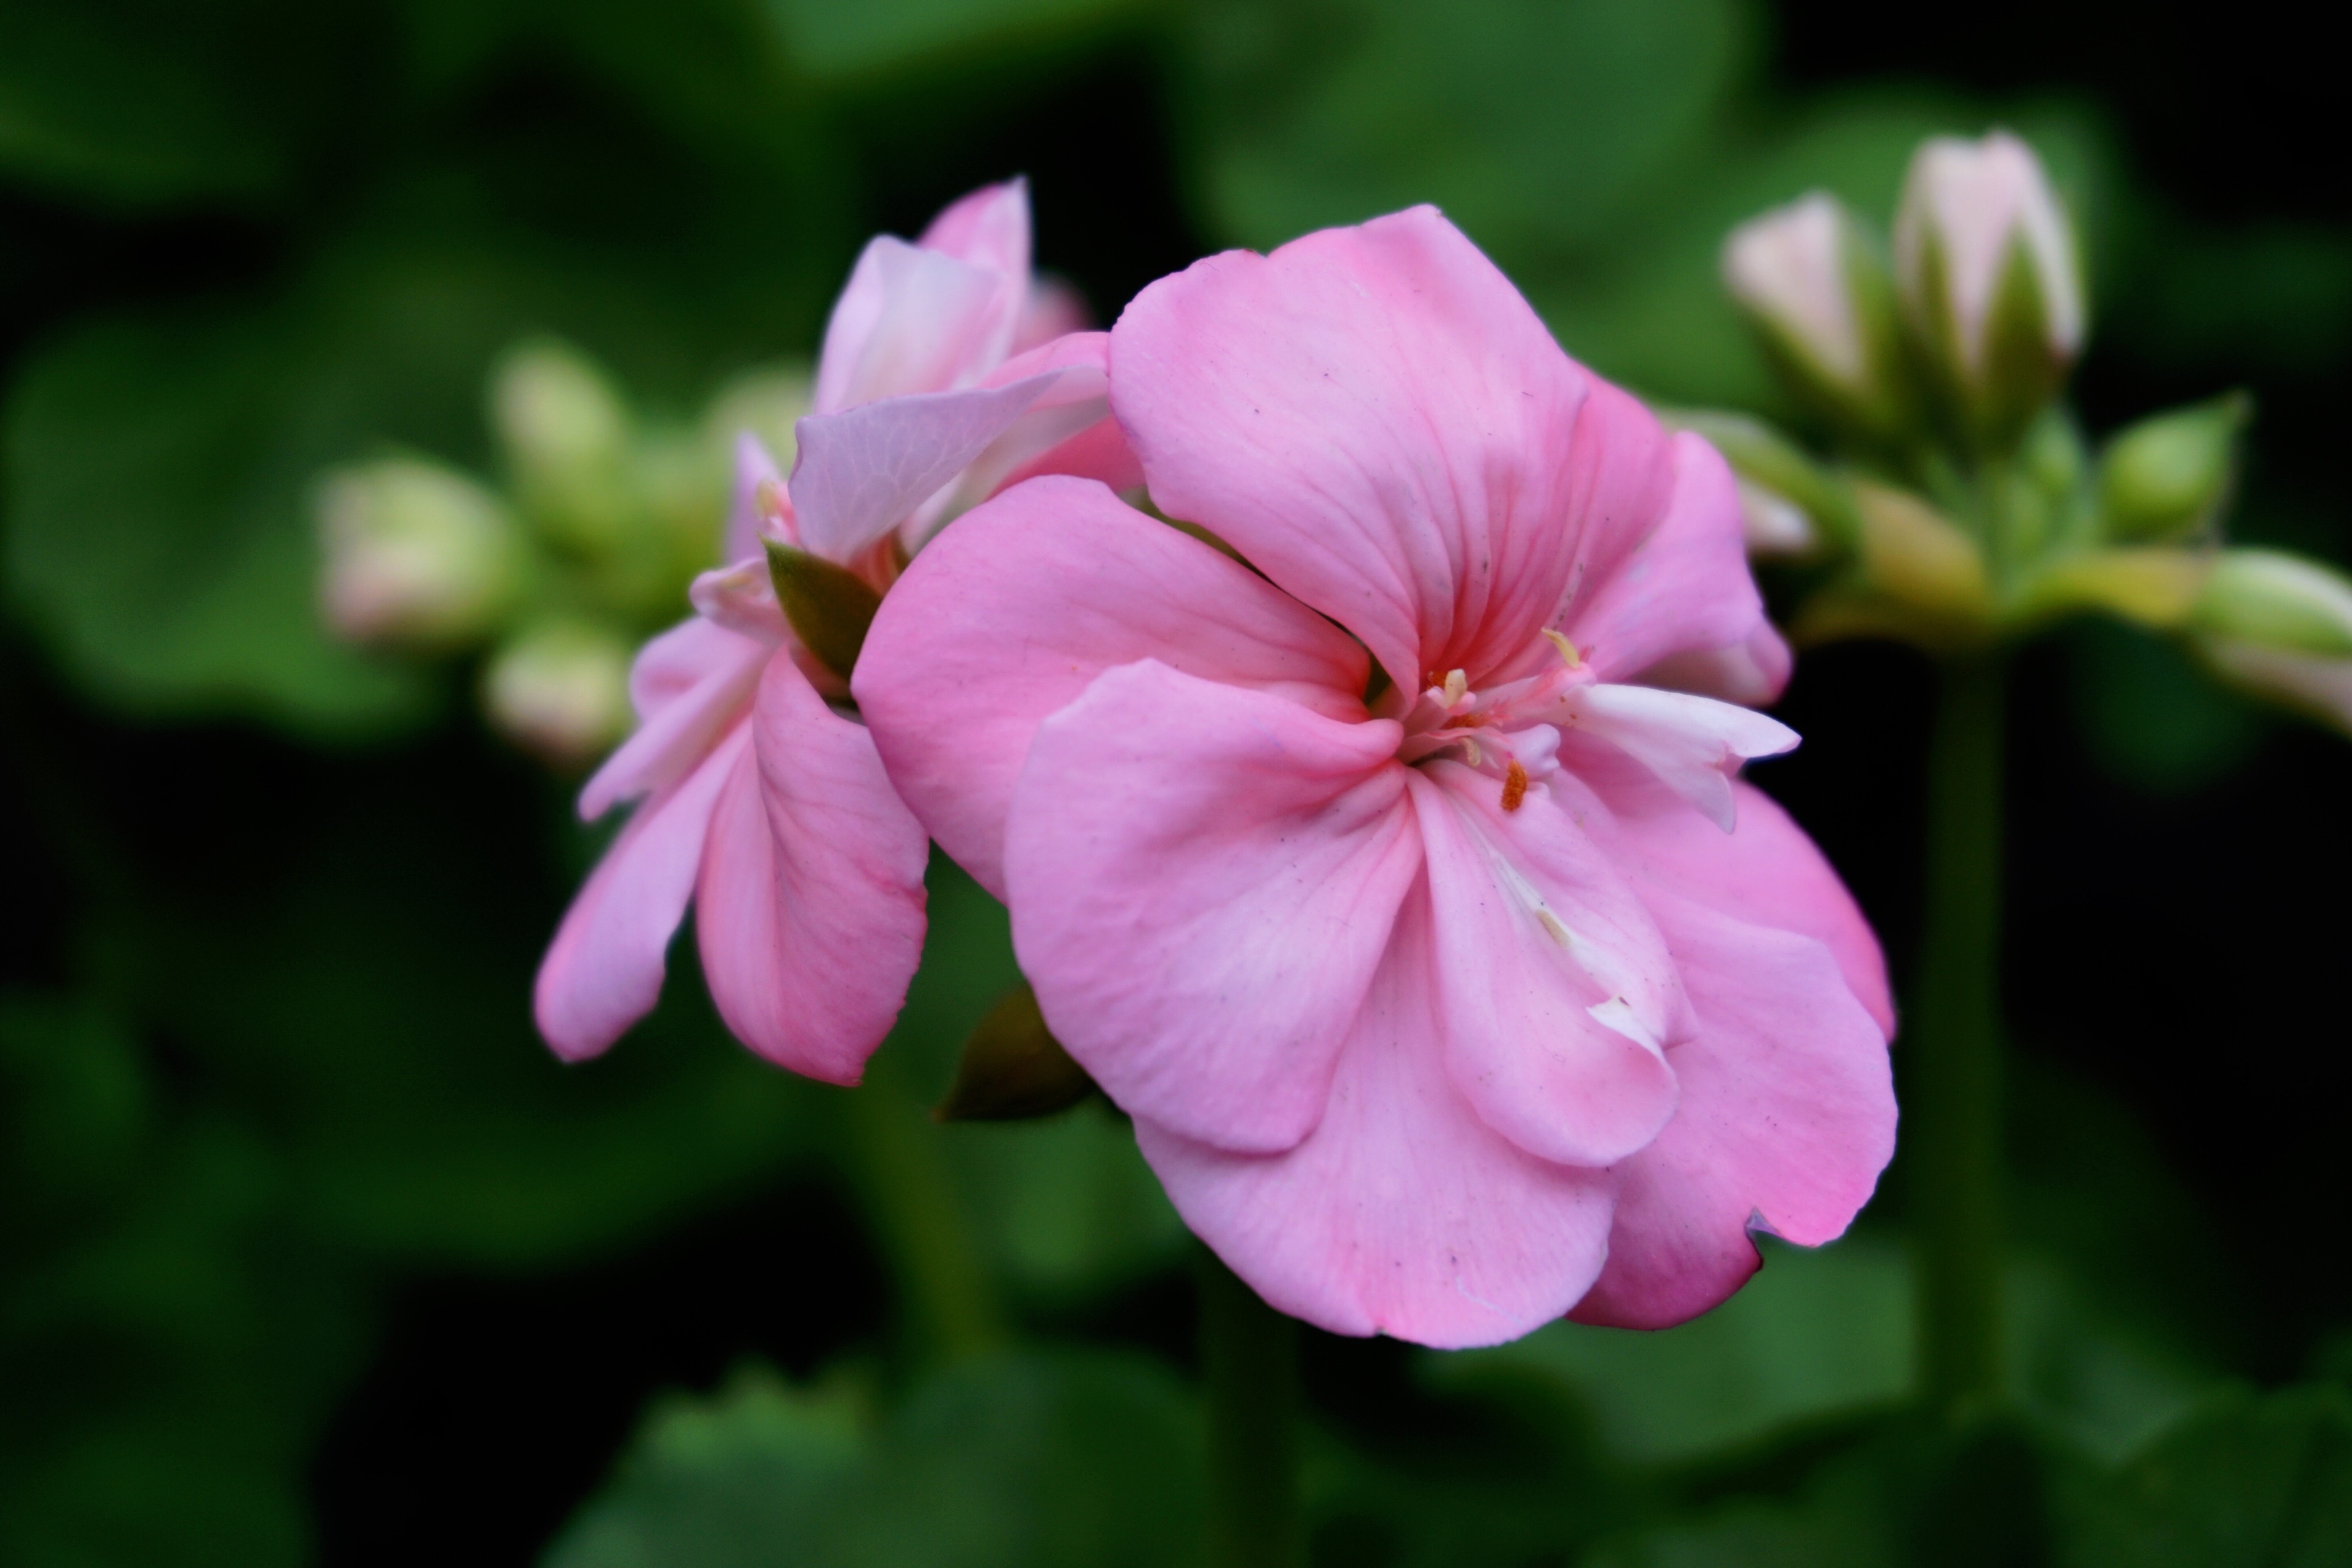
{"x": 2170, "y": 475}
{"x": 1986, "y": 260}
{"x": 1817, "y": 291}
{"x": 567, "y": 435}
{"x": 560, "y": 688}
{"x": 1788, "y": 505}
{"x": 2267, "y": 598}
{"x": 414, "y": 553}
{"x": 2319, "y": 686}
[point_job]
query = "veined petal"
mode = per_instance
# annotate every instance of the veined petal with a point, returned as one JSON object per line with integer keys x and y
{"x": 809, "y": 909}
{"x": 1403, "y": 1212}
{"x": 1787, "y": 1119}
{"x": 1052, "y": 437}
{"x": 1375, "y": 418}
{"x": 910, "y": 319}
{"x": 1555, "y": 997}
{"x": 1201, "y": 882}
{"x": 1680, "y": 584}
{"x": 1021, "y": 603}
{"x": 754, "y": 466}
{"x": 689, "y": 685}
{"x": 862, "y": 471}
{"x": 604, "y": 970}
{"x": 1695, "y": 744}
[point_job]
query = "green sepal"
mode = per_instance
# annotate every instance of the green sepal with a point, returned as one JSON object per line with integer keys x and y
{"x": 2170, "y": 475}
{"x": 829, "y": 606}
{"x": 1013, "y": 1069}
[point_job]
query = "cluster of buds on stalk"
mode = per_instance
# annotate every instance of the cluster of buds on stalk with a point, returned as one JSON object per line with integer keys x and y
{"x": 1959, "y": 505}
{"x": 557, "y": 568}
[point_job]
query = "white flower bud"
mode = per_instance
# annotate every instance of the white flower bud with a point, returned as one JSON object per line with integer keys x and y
{"x": 414, "y": 553}
{"x": 561, "y": 689}
{"x": 567, "y": 438}
{"x": 1986, "y": 258}
{"x": 1816, "y": 289}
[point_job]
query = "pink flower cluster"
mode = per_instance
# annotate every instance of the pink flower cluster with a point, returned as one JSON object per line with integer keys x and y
{"x": 1374, "y": 839}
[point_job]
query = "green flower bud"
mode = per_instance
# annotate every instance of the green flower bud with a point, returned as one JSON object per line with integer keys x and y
{"x": 2170, "y": 475}
{"x": 560, "y": 688}
{"x": 1788, "y": 505}
{"x": 2268, "y": 598}
{"x": 1812, "y": 283}
{"x": 567, "y": 438}
{"x": 414, "y": 553}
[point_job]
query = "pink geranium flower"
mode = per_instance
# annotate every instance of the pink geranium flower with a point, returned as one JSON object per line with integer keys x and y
{"x": 1451, "y": 977}
{"x": 764, "y": 803}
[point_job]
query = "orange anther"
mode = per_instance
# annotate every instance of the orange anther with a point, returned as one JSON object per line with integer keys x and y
{"x": 1515, "y": 786}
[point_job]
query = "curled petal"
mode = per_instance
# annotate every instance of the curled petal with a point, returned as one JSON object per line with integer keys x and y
{"x": 1021, "y": 603}
{"x": 864, "y": 470}
{"x": 1403, "y": 1212}
{"x": 1787, "y": 1119}
{"x": 1695, "y": 744}
{"x": 809, "y": 909}
{"x": 1681, "y": 585}
{"x": 1374, "y": 418}
{"x": 1555, "y": 995}
{"x": 689, "y": 685}
{"x": 911, "y": 320}
{"x": 1202, "y": 882}
{"x": 603, "y": 971}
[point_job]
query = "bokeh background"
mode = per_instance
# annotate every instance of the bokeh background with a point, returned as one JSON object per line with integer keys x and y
{"x": 308, "y": 1252}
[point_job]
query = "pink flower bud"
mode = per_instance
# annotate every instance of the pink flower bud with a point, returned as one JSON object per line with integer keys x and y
{"x": 1787, "y": 267}
{"x": 414, "y": 553}
{"x": 560, "y": 689}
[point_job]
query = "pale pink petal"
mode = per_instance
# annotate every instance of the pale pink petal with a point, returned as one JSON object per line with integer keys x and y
{"x": 1202, "y": 882}
{"x": 1053, "y": 308}
{"x": 1022, "y": 602}
{"x": 862, "y": 471}
{"x": 1083, "y": 358}
{"x": 1555, "y": 995}
{"x": 988, "y": 228}
{"x": 754, "y": 466}
{"x": 1375, "y": 418}
{"x": 1681, "y": 585}
{"x": 1767, "y": 872}
{"x": 689, "y": 685}
{"x": 742, "y": 598}
{"x": 810, "y": 904}
{"x": 1787, "y": 1119}
{"x": 1403, "y": 1212}
{"x": 1099, "y": 452}
{"x": 1752, "y": 673}
{"x": 910, "y": 321}
{"x": 1695, "y": 744}
{"x": 604, "y": 970}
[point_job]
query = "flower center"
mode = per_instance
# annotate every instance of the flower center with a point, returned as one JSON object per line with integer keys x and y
{"x": 1510, "y": 731}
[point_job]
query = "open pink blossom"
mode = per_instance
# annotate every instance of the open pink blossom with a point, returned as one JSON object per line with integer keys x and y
{"x": 1451, "y": 977}
{"x": 764, "y": 803}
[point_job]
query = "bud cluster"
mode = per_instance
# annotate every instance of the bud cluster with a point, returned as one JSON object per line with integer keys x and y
{"x": 1960, "y": 505}
{"x": 556, "y": 571}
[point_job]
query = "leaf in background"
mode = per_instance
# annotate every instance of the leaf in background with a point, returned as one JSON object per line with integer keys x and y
{"x": 1060, "y": 1460}
{"x": 1535, "y": 127}
{"x": 865, "y": 40}
{"x": 2149, "y": 716}
{"x": 1066, "y": 1203}
{"x": 2250, "y": 1479}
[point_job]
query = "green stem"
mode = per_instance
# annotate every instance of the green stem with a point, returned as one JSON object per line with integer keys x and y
{"x": 951, "y": 1301}
{"x": 1953, "y": 1118}
{"x": 1249, "y": 1359}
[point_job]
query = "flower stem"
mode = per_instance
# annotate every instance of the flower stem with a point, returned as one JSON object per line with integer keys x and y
{"x": 1954, "y": 1115}
{"x": 951, "y": 1303}
{"x": 1249, "y": 1358}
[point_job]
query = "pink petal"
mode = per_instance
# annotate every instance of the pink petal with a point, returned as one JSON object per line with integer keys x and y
{"x": 754, "y": 466}
{"x": 862, "y": 471}
{"x": 1375, "y": 418}
{"x": 1766, "y": 873}
{"x": 1053, "y": 309}
{"x": 1021, "y": 603}
{"x": 1554, "y": 990}
{"x": 1753, "y": 673}
{"x": 604, "y": 970}
{"x": 1678, "y": 584}
{"x": 742, "y": 598}
{"x": 1693, "y": 744}
{"x": 1069, "y": 430}
{"x": 1202, "y": 879}
{"x": 988, "y": 228}
{"x": 1787, "y": 1118}
{"x": 689, "y": 685}
{"x": 1403, "y": 1212}
{"x": 810, "y": 904}
{"x": 912, "y": 321}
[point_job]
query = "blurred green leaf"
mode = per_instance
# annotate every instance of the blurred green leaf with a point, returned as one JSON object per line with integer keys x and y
{"x": 1535, "y": 127}
{"x": 1031, "y": 1461}
{"x": 1067, "y": 1206}
{"x": 834, "y": 40}
{"x": 2249, "y": 1479}
{"x": 2149, "y": 716}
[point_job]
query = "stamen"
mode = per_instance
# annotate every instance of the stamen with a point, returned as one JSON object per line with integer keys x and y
{"x": 1477, "y": 757}
{"x": 1515, "y": 786}
{"x": 1567, "y": 649}
{"x": 1457, "y": 686}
